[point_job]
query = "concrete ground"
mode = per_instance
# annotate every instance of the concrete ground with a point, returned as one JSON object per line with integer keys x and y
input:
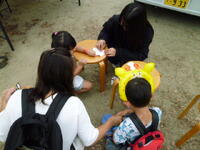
{"x": 175, "y": 50}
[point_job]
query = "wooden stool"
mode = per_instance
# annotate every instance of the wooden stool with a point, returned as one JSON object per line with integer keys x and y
{"x": 101, "y": 60}
{"x": 155, "y": 74}
{"x": 195, "y": 129}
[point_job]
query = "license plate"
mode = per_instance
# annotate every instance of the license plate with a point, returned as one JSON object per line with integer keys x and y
{"x": 177, "y": 3}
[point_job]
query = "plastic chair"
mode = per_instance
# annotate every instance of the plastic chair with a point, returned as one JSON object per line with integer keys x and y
{"x": 5, "y": 37}
{"x": 195, "y": 129}
{"x": 79, "y": 2}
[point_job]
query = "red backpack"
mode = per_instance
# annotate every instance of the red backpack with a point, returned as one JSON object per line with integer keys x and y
{"x": 150, "y": 138}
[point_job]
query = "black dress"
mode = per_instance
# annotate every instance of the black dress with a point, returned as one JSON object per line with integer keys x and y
{"x": 115, "y": 37}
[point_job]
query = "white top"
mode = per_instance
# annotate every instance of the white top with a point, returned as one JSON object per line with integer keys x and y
{"x": 73, "y": 120}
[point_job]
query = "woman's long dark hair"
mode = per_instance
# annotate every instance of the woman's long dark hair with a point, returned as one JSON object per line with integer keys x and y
{"x": 134, "y": 19}
{"x": 55, "y": 74}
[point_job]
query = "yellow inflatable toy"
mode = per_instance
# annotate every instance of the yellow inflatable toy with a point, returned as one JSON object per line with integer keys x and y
{"x": 130, "y": 71}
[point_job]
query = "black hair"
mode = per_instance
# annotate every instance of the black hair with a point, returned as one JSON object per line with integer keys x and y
{"x": 55, "y": 73}
{"x": 135, "y": 22}
{"x": 138, "y": 92}
{"x": 63, "y": 39}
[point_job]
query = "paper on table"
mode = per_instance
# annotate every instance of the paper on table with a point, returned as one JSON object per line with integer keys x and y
{"x": 98, "y": 52}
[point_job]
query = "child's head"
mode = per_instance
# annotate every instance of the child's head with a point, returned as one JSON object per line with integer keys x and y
{"x": 138, "y": 92}
{"x": 63, "y": 39}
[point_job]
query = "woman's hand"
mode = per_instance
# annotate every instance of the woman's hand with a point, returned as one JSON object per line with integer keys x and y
{"x": 124, "y": 112}
{"x": 115, "y": 120}
{"x": 5, "y": 97}
{"x": 101, "y": 44}
{"x": 110, "y": 52}
{"x": 112, "y": 121}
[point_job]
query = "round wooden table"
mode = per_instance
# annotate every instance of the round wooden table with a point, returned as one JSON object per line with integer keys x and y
{"x": 101, "y": 60}
{"x": 155, "y": 74}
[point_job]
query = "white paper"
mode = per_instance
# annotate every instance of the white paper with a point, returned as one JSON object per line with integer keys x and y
{"x": 98, "y": 52}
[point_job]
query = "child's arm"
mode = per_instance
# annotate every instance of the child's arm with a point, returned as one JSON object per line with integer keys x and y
{"x": 85, "y": 51}
{"x": 79, "y": 66}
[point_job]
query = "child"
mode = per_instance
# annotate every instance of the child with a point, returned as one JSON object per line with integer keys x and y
{"x": 138, "y": 92}
{"x": 63, "y": 39}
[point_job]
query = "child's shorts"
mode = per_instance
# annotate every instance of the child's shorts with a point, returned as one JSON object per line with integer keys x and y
{"x": 78, "y": 82}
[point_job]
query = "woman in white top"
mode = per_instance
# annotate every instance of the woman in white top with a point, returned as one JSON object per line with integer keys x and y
{"x": 55, "y": 75}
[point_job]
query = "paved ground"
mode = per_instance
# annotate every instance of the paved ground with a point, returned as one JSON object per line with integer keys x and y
{"x": 175, "y": 50}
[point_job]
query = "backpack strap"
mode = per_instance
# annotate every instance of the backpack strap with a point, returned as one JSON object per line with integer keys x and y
{"x": 155, "y": 120}
{"x": 27, "y": 106}
{"x": 56, "y": 106}
{"x": 140, "y": 126}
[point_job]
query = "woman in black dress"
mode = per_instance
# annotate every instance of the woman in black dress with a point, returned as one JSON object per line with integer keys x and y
{"x": 127, "y": 35}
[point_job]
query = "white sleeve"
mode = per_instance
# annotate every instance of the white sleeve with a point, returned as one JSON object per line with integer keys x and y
{"x": 9, "y": 115}
{"x": 86, "y": 131}
{"x": 4, "y": 121}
